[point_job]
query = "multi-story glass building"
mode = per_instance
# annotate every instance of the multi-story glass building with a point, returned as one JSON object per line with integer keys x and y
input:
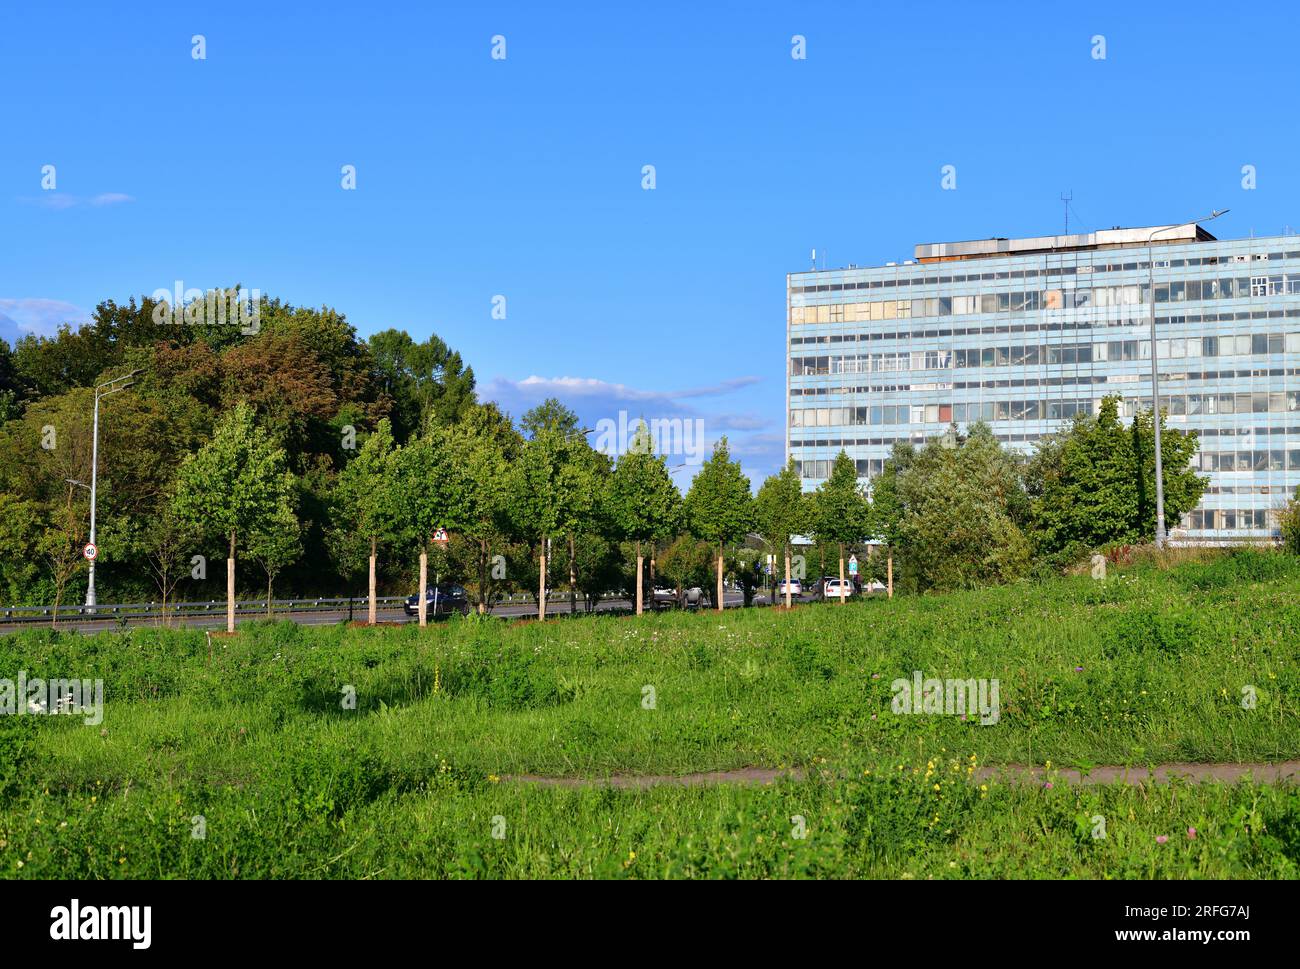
{"x": 1025, "y": 333}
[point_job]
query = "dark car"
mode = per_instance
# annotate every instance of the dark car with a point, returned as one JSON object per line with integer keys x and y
{"x": 441, "y": 600}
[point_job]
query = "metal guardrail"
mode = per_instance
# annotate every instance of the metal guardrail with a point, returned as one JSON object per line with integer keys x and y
{"x": 245, "y": 607}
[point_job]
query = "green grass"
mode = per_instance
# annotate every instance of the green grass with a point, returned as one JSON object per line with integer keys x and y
{"x": 291, "y": 784}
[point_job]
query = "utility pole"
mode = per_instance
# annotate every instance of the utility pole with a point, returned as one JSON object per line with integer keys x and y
{"x": 1161, "y": 536}
{"x": 101, "y": 391}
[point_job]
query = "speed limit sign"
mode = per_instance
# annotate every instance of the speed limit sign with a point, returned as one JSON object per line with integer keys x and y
{"x": 90, "y": 552}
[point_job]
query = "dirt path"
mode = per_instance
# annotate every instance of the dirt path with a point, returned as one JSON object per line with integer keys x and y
{"x": 1284, "y": 772}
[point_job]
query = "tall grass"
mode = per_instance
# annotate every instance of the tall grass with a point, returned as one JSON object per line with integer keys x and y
{"x": 258, "y": 740}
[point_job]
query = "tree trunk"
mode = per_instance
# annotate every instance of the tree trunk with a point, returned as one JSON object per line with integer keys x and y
{"x": 721, "y": 602}
{"x": 573, "y": 576}
{"x": 230, "y": 586}
{"x": 841, "y": 573}
{"x": 268, "y": 595}
{"x": 373, "y": 614}
{"x": 787, "y": 578}
{"x": 482, "y": 576}
{"x": 889, "y": 572}
{"x": 541, "y": 584}
{"x": 423, "y": 602}
{"x": 640, "y": 584}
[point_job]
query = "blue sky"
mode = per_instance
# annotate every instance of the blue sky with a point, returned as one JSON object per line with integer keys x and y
{"x": 523, "y": 177}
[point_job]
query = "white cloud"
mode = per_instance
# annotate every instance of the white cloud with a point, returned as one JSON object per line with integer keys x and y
{"x": 749, "y": 434}
{"x": 18, "y": 317}
{"x": 62, "y": 200}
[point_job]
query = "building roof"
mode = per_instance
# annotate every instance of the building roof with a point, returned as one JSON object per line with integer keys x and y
{"x": 1103, "y": 239}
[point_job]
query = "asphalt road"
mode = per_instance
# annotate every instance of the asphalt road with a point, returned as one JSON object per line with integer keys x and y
{"x": 217, "y": 620}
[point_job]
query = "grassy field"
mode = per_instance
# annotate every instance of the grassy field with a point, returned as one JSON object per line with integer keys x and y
{"x": 254, "y": 739}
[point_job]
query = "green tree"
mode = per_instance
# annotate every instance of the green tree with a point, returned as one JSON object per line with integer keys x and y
{"x": 485, "y": 447}
{"x": 780, "y": 512}
{"x": 551, "y": 493}
{"x": 274, "y": 543}
{"x": 719, "y": 508}
{"x": 841, "y": 513}
{"x": 963, "y": 505}
{"x": 21, "y": 526}
{"x": 1094, "y": 482}
{"x": 62, "y": 543}
{"x": 685, "y": 563}
{"x": 433, "y": 491}
{"x": 549, "y": 415}
{"x": 368, "y": 508}
{"x": 642, "y": 503}
{"x": 233, "y": 484}
{"x": 427, "y": 382}
{"x": 1289, "y": 524}
{"x": 169, "y": 545}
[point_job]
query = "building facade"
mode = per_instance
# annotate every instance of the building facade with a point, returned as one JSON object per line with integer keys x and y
{"x": 1025, "y": 333}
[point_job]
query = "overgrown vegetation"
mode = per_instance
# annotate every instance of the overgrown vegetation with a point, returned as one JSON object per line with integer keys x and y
{"x": 1146, "y": 667}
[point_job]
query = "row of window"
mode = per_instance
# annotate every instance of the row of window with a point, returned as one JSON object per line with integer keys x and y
{"x": 973, "y": 277}
{"x": 1176, "y": 405}
{"x": 992, "y": 410}
{"x": 1202, "y": 519}
{"x": 1256, "y": 402}
{"x": 878, "y": 336}
{"x": 1180, "y": 378}
{"x": 1028, "y": 301}
{"x": 1051, "y": 354}
{"x": 1272, "y": 460}
{"x": 867, "y": 468}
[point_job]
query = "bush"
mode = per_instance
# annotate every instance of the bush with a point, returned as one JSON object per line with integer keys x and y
{"x": 1289, "y": 520}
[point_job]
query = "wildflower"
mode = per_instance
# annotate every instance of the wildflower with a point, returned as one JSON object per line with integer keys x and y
{"x": 1048, "y": 785}
{"x": 1191, "y": 833}
{"x": 1161, "y": 838}
{"x": 1078, "y": 669}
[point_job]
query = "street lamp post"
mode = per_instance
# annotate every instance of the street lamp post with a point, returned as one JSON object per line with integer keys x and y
{"x": 101, "y": 391}
{"x": 1161, "y": 537}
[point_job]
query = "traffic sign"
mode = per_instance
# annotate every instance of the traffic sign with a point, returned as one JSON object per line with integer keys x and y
{"x": 440, "y": 536}
{"x": 90, "y": 552}
{"x": 853, "y": 565}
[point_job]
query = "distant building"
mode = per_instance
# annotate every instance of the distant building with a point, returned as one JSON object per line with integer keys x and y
{"x": 1025, "y": 333}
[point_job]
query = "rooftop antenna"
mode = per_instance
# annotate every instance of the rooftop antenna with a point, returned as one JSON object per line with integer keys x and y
{"x": 1067, "y": 197}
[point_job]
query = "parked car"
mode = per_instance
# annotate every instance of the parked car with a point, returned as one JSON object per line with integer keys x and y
{"x": 695, "y": 597}
{"x": 796, "y": 588}
{"x": 830, "y": 588}
{"x": 663, "y": 598}
{"x": 440, "y": 600}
